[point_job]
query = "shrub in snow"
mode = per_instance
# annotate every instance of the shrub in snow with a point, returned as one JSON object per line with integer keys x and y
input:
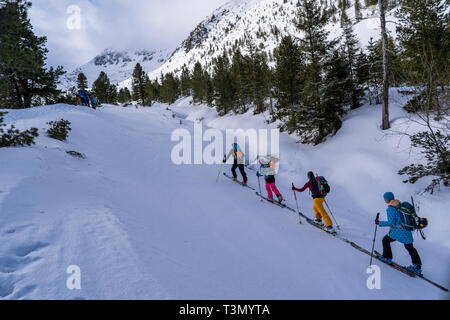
{"x": 59, "y": 130}
{"x": 13, "y": 137}
{"x": 76, "y": 154}
{"x": 435, "y": 146}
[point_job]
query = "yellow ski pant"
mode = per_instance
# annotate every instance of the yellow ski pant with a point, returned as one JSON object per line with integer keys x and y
{"x": 320, "y": 211}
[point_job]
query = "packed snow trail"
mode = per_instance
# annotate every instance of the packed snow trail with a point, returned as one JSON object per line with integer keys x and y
{"x": 140, "y": 227}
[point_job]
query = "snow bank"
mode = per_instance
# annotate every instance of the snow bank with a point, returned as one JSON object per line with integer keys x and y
{"x": 140, "y": 227}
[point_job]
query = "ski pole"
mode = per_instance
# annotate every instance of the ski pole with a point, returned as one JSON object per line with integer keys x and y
{"x": 422, "y": 234}
{"x": 220, "y": 171}
{"x": 296, "y": 201}
{"x": 374, "y": 239}
{"x": 260, "y": 192}
{"x": 337, "y": 224}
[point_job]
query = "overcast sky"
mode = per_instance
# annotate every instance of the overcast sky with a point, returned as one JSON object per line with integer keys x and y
{"x": 118, "y": 24}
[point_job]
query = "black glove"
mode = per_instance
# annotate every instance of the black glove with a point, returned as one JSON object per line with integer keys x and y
{"x": 377, "y": 222}
{"x": 293, "y": 187}
{"x": 224, "y": 159}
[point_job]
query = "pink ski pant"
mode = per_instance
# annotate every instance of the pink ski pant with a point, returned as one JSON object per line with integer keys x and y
{"x": 270, "y": 187}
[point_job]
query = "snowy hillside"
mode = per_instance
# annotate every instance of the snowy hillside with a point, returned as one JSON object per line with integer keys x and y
{"x": 140, "y": 227}
{"x": 262, "y": 22}
{"x": 118, "y": 65}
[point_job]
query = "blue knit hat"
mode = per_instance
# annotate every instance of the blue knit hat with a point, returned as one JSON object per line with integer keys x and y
{"x": 389, "y": 196}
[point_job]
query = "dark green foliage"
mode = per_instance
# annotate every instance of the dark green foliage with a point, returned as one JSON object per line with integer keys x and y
{"x": 314, "y": 111}
{"x": 124, "y": 95}
{"x": 424, "y": 35}
{"x": 185, "y": 82}
{"x": 435, "y": 147}
{"x": 261, "y": 80}
{"x": 152, "y": 92}
{"x": 82, "y": 82}
{"x": 223, "y": 85}
{"x": 209, "y": 89}
{"x": 103, "y": 90}
{"x": 170, "y": 89}
{"x": 288, "y": 80}
{"x": 59, "y": 130}
{"x": 199, "y": 84}
{"x": 139, "y": 80}
{"x": 241, "y": 75}
{"x": 352, "y": 86}
{"x": 24, "y": 79}
{"x": 76, "y": 154}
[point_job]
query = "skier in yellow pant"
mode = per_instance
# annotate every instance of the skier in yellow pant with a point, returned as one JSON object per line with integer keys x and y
{"x": 319, "y": 199}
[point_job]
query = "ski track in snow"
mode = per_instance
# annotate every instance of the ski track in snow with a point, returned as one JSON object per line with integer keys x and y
{"x": 140, "y": 227}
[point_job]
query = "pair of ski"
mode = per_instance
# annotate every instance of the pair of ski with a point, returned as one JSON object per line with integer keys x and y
{"x": 238, "y": 182}
{"x": 398, "y": 267}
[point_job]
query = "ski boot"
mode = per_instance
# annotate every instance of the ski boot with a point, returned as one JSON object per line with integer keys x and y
{"x": 235, "y": 179}
{"x": 319, "y": 223}
{"x": 416, "y": 269}
{"x": 331, "y": 230}
{"x": 270, "y": 200}
{"x": 280, "y": 199}
{"x": 244, "y": 183}
{"x": 385, "y": 260}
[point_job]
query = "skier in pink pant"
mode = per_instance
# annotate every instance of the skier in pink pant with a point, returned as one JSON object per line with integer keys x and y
{"x": 267, "y": 170}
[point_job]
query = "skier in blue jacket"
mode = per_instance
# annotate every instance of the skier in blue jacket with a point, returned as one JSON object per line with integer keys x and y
{"x": 398, "y": 233}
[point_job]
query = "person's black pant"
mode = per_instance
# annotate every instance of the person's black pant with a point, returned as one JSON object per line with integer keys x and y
{"x": 387, "y": 251}
{"x": 241, "y": 169}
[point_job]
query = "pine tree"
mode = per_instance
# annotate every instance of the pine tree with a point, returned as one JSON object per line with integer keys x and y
{"x": 424, "y": 36}
{"x": 185, "y": 82}
{"x": 124, "y": 95}
{"x": 240, "y": 78}
{"x": 209, "y": 98}
{"x": 375, "y": 75}
{"x": 260, "y": 80}
{"x": 312, "y": 118}
{"x": 101, "y": 88}
{"x": 138, "y": 84}
{"x": 352, "y": 85}
{"x": 82, "y": 82}
{"x": 24, "y": 79}
{"x": 170, "y": 88}
{"x": 198, "y": 84}
{"x": 224, "y": 93}
{"x": 287, "y": 82}
{"x": 112, "y": 94}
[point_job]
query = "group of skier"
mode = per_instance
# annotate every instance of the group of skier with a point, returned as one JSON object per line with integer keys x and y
{"x": 87, "y": 99}
{"x": 315, "y": 184}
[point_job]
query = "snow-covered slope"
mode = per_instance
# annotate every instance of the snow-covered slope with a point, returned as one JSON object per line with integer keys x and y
{"x": 141, "y": 227}
{"x": 263, "y": 22}
{"x": 118, "y": 65}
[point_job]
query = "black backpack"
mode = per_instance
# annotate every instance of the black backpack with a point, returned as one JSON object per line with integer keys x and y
{"x": 322, "y": 186}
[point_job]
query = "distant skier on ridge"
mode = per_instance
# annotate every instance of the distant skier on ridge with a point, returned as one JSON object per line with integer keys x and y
{"x": 239, "y": 160}
{"x": 319, "y": 199}
{"x": 398, "y": 233}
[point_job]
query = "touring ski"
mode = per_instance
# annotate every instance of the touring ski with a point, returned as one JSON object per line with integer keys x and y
{"x": 281, "y": 205}
{"x": 397, "y": 266}
{"x": 313, "y": 223}
{"x": 238, "y": 182}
